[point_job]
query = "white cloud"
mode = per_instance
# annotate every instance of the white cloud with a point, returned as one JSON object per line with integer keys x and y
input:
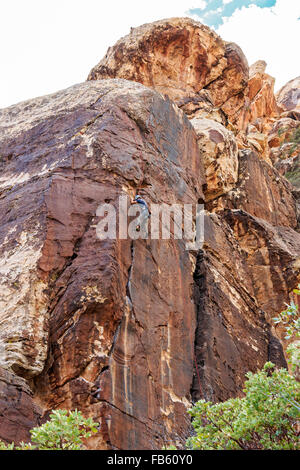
{"x": 201, "y": 4}
{"x": 225, "y": 2}
{"x": 51, "y": 44}
{"x": 271, "y": 34}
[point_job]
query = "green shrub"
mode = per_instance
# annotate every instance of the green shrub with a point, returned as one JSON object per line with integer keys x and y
{"x": 295, "y": 140}
{"x": 266, "y": 418}
{"x": 64, "y": 431}
{"x": 290, "y": 319}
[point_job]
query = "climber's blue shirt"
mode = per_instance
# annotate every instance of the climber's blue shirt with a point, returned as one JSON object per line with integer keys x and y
{"x": 143, "y": 203}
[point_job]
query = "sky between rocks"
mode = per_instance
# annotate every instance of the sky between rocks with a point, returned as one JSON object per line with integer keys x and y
{"x": 48, "y": 45}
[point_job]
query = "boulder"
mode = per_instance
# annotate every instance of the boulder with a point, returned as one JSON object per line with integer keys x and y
{"x": 179, "y": 57}
{"x": 288, "y": 97}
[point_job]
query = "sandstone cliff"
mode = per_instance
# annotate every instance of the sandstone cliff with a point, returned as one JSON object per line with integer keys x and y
{"x": 133, "y": 331}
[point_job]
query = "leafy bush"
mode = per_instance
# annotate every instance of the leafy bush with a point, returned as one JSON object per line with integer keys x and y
{"x": 266, "y": 418}
{"x": 64, "y": 431}
{"x": 290, "y": 319}
{"x": 295, "y": 140}
{"x": 291, "y": 140}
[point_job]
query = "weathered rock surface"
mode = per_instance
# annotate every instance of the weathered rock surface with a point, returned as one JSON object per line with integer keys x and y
{"x": 279, "y": 136}
{"x": 204, "y": 75}
{"x": 260, "y": 93}
{"x": 240, "y": 280}
{"x": 283, "y": 137}
{"x": 261, "y": 192}
{"x": 180, "y": 57}
{"x": 115, "y": 327}
{"x": 116, "y": 316}
{"x": 219, "y": 151}
{"x": 18, "y": 412}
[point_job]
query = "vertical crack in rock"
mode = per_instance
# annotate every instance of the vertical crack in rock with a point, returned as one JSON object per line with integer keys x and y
{"x": 198, "y": 363}
{"x": 128, "y": 290}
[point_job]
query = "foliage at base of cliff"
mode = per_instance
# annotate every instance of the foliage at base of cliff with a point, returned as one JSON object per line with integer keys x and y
{"x": 64, "y": 431}
{"x": 266, "y": 418}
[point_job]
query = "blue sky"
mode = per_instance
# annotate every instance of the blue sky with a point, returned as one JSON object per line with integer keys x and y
{"x": 212, "y": 12}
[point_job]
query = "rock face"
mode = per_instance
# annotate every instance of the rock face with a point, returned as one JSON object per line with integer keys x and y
{"x": 284, "y": 136}
{"x": 132, "y": 331}
{"x": 260, "y": 191}
{"x": 261, "y": 102}
{"x": 219, "y": 152}
{"x": 238, "y": 285}
{"x": 19, "y": 413}
{"x": 179, "y": 57}
{"x": 112, "y": 325}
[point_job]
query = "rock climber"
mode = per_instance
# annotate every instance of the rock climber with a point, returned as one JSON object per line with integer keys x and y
{"x": 144, "y": 212}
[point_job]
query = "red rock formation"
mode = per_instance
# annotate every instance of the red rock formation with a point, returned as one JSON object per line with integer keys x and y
{"x": 205, "y": 76}
{"x": 118, "y": 314}
{"x": 260, "y": 103}
{"x": 18, "y": 413}
{"x": 234, "y": 277}
{"x": 179, "y": 57}
{"x": 114, "y": 327}
{"x": 219, "y": 151}
{"x": 283, "y": 137}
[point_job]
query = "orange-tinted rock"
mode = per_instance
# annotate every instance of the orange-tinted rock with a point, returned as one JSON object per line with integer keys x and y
{"x": 113, "y": 327}
{"x": 258, "y": 142}
{"x": 260, "y": 103}
{"x": 261, "y": 96}
{"x": 290, "y": 168}
{"x": 272, "y": 254}
{"x": 179, "y": 57}
{"x": 218, "y": 149}
{"x": 281, "y": 131}
{"x": 229, "y": 89}
{"x": 201, "y": 106}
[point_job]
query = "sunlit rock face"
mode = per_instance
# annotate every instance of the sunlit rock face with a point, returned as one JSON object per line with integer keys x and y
{"x": 132, "y": 332}
{"x": 284, "y": 136}
{"x": 219, "y": 152}
{"x": 180, "y": 57}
